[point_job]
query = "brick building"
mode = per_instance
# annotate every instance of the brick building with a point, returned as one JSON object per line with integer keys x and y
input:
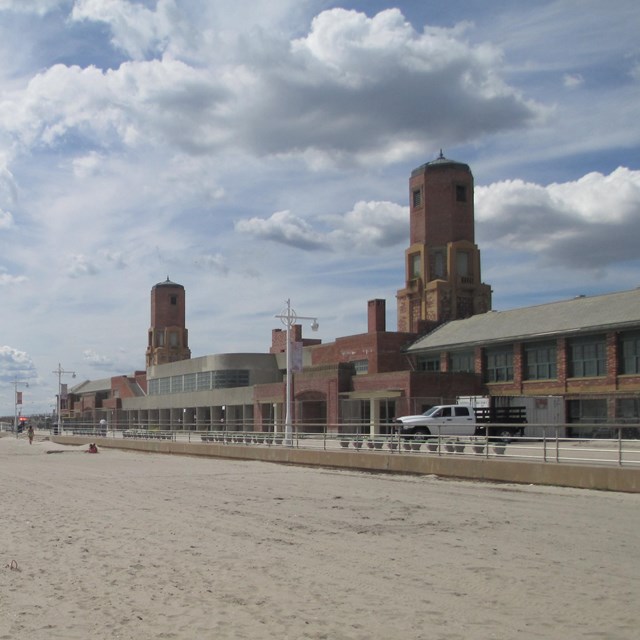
{"x": 583, "y": 352}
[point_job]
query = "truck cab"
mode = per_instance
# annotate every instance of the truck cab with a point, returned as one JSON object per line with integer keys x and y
{"x": 448, "y": 419}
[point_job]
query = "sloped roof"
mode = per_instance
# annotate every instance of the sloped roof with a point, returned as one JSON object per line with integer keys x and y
{"x": 92, "y": 386}
{"x": 581, "y": 314}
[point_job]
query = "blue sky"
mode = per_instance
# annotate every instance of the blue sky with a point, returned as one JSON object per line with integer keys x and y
{"x": 260, "y": 151}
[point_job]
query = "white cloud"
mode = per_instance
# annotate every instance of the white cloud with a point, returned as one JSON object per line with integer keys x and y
{"x": 8, "y": 279}
{"x": 15, "y": 365}
{"x": 309, "y": 91}
{"x": 589, "y": 223}
{"x": 80, "y": 265}
{"x": 573, "y": 80}
{"x": 37, "y": 7}
{"x": 283, "y": 227}
{"x": 6, "y": 219}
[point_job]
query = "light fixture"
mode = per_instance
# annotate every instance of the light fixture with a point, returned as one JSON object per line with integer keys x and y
{"x": 288, "y": 318}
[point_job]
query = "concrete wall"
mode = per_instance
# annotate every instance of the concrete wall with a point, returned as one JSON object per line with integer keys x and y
{"x": 563, "y": 475}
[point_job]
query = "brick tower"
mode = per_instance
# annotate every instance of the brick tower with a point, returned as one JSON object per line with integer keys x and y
{"x": 168, "y": 336}
{"x": 442, "y": 263}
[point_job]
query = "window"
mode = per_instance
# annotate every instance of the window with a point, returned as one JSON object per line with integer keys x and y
{"x": 499, "y": 365}
{"x": 414, "y": 266}
{"x": 361, "y": 366}
{"x": 587, "y": 357}
{"x": 416, "y": 197}
{"x": 203, "y": 381}
{"x": 177, "y": 384}
{"x": 160, "y": 339}
{"x": 173, "y": 338}
{"x": 189, "y": 382}
{"x": 540, "y": 361}
{"x": 630, "y": 353}
{"x": 164, "y": 386}
{"x": 438, "y": 270}
{"x": 462, "y": 263}
{"x": 628, "y": 410}
{"x": 461, "y": 193}
{"x": 229, "y": 378}
{"x": 428, "y": 363}
{"x": 463, "y": 361}
{"x": 173, "y": 300}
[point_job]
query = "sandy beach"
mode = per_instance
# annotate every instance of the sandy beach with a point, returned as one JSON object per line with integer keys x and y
{"x": 136, "y": 546}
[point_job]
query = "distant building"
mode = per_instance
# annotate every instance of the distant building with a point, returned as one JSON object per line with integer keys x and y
{"x": 581, "y": 355}
{"x": 168, "y": 336}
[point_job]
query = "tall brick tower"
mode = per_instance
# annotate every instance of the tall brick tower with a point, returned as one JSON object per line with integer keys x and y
{"x": 442, "y": 263}
{"x": 168, "y": 336}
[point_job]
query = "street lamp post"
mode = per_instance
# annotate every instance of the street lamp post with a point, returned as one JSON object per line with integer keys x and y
{"x": 288, "y": 317}
{"x": 60, "y": 371}
{"x": 16, "y": 382}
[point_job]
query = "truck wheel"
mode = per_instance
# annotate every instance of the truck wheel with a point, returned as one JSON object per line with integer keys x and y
{"x": 422, "y": 431}
{"x": 505, "y": 434}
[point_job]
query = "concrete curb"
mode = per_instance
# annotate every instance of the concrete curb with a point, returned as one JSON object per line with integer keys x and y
{"x": 606, "y": 478}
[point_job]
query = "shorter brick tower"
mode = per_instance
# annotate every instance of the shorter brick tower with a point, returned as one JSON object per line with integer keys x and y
{"x": 168, "y": 336}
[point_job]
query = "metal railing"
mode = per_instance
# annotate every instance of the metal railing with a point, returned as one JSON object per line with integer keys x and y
{"x": 617, "y": 450}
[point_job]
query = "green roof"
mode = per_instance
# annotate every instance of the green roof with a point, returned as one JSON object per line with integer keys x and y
{"x": 579, "y": 315}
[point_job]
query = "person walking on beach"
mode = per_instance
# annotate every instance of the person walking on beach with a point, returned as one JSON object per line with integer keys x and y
{"x": 30, "y": 434}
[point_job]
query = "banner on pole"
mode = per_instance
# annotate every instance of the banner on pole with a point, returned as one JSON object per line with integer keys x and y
{"x": 296, "y": 356}
{"x": 18, "y": 397}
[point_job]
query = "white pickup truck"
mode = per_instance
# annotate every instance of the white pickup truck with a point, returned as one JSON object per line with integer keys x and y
{"x": 464, "y": 420}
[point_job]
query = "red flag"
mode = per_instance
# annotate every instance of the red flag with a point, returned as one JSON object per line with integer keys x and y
{"x": 18, "y": 397}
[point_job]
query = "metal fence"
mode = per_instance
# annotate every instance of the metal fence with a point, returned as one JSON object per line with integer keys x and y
{"x": 615, "y": 449}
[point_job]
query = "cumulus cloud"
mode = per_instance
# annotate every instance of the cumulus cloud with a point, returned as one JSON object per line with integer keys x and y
{"x": 95, "y": 359}
{"x": 273, "y": 97}
{"x": 15, "y": 364}
{"x": 6, "y": 219}
{"x": 80, "y": 266}
{"x": 573, "y": 80}
{"x": 214, "y": 262}
{"x": 37, "y": 7}
{"x": 285, "y": 228}
{"x": 9, "y": 279}
{"x": 588, "y": 223}
{"x": 369, "y": 225}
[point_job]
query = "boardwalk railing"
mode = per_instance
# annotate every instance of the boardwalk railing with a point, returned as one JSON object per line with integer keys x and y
{"x": 617, "y": 449}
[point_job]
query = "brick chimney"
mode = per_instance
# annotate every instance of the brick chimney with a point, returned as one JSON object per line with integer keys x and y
{"x": 376, "y": 313}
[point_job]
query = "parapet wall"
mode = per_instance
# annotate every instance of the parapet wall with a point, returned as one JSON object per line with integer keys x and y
{"x": 607, "y": 478}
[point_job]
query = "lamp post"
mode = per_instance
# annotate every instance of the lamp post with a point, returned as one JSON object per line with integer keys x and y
{"x": 288, "y": 317}
{"x": 60, "y": 371}
{"x": 16, "y": 382}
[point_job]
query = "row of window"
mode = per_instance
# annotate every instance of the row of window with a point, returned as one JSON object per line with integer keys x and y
{"x": 201, "y": 381}
{"x": 587, "y": 357}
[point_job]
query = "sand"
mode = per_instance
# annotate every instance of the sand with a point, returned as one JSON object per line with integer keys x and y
{"x": 136, "y": 546}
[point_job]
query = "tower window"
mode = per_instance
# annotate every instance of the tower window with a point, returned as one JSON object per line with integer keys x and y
{"x": 461, "y": 193}
{"x": 173, "y": 300}
{"x": 414, "y": 266}
{"x": 417, "y": 197}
